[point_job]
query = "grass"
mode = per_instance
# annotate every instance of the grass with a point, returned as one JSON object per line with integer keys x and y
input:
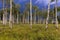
{"x": 24, "y": 32}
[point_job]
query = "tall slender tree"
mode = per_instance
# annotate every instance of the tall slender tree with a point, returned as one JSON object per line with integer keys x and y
{"x": 6, "y": 3}
{"x": 31, "y": 13}
{"x": 39, "y": 15}
{"x": 10, "y": 19}
{"x": 48, "y": 14}
{"x": 56, "y": 13}
{"x": 35, "y": 8}
{"x": 13, "y": 12}
{"x": 3, "y": 13}
{"x": 17, "y": 10}
{"x": 27, "y": 11}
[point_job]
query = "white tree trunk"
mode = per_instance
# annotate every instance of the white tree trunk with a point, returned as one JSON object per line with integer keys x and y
{"x": 23, "y": 19}
{"x": 56, "y": 13}
{"x": 5, "y": 17}
{"x": 35, "y": 17}
{"x": 17, "y": 18}
{"x": 28, "y": 17}
{"x": 38, "y": 19}
{"x": 3, "y": 14}
{"x": 13, "y": 19}
{"x": 48, "y": 14}
{"x": 31, "y": 13}
{"x": 10, "y": 19}
{"x": 20, "y": 19}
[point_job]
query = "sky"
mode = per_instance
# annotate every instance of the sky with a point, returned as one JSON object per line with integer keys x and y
{"x": 40, "y": 3}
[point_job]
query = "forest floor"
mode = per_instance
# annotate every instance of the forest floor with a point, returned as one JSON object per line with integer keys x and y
{"x": 24, "y": 32}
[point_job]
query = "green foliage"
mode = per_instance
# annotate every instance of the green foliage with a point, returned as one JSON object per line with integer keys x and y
{"x": 58, "y": 8}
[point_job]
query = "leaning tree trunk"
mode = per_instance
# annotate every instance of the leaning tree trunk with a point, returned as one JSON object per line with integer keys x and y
{"x": 56, "y": 13}
{"x": 31, "y": 13}
{"x": 48, "y": 14}
{"x": 10, "y": 19}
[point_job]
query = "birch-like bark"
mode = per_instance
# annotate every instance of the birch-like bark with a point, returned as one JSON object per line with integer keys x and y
{"x": 10, "y": 19}
{"x": 31, "y": 13}
{"x": 56, "y": 13}
{"x": 48, "y": 14}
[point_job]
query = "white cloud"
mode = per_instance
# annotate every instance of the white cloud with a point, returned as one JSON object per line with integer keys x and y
{"x": 38, "y": 1}
{"x": 45, "y": 2}
{"x": 22, "y": 0}
{"x": 52, "y": 3}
